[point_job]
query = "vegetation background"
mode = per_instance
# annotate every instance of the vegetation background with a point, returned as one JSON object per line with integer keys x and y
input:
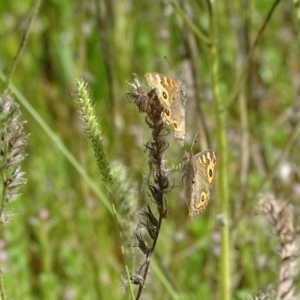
{"x": 62, "y": 241}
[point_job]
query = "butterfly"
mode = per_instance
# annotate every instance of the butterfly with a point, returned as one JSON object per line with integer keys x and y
{"x": 198, "y": 175}
{"x": 173, "y": 97}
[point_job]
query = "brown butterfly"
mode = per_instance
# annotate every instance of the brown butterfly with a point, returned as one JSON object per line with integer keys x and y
{"x": 198, "y": 175}
{"x": 172, "y": 95}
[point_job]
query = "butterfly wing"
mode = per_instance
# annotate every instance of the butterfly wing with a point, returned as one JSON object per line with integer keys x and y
{"x": 199, "y": 197}
{"x": 178, "y": 101}
{"x": 204, "y": 166}
{"x": 159, "y": 82}
{"x": 172, "y": 95}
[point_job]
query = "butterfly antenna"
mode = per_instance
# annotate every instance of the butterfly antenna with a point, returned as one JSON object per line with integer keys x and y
{"x": 194, "y": 141}
{"x": 168, "y": 62}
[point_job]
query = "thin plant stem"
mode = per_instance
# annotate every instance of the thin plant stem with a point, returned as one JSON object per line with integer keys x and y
{"x": 222, "y": 153}
{"x": 241, "y": 47}
{"x": 294, "y": 136}
{"x": 105, "y": 22}
{"x": 141, "y": 287}
{"x": 168, "y": 286}
{"x": 244, "y": 70}
{"x": 2, "y": 291}
{"x": 190, "y": 42}
{"x": 23, "y": 42}
{"x": 123, "y": 252}
{"x": 202, "y": 37}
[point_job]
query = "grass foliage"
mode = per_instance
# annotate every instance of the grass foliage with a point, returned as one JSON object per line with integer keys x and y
{"x": 77, "y": 233}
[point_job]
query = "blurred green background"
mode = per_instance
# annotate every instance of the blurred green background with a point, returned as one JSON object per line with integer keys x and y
{"x": 62, "y": 242}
